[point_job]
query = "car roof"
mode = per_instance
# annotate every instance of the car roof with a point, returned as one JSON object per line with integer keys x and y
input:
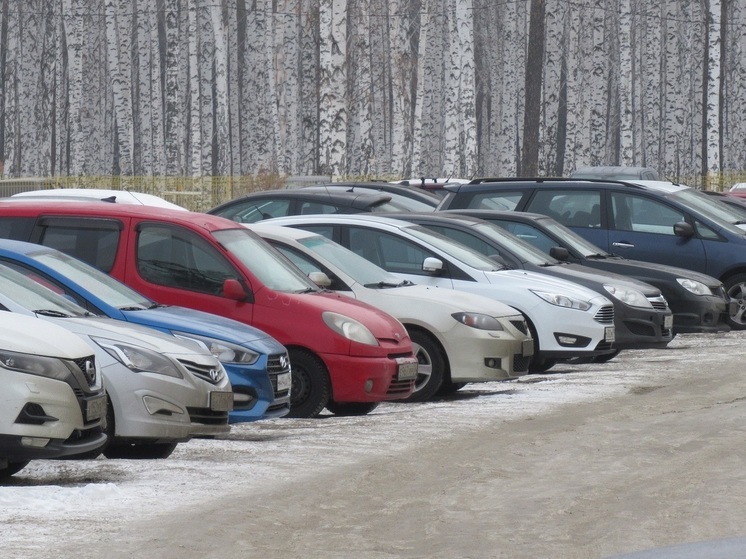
{"x": 409, "y": 192}
{"x": 507, "y": 214}
{"x": 103, "y": 194}
{"x": 505, "y": 183}
{"x": 337, "y": 197}
{"x": 345, "y": 219}
{"x": 89, "y": 208}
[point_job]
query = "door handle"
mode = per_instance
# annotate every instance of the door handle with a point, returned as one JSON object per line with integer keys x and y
{"x": 622, "y": 244}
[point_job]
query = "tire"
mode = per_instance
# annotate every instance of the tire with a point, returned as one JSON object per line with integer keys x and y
{"x": 449, "y": 387}
{"x": 140, "y": 451}
{"x": 12, "y": 468}
{"x": 606, "y": 357}
{"x": 351, "y": 408}
{"x": 736, "y": 288}
{"x": 538, "y": 364}
{"x": 431, "y": 368}
{"x": 311, "y": 388}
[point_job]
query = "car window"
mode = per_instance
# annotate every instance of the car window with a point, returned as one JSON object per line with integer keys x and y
{"x": 92, "y": 243}
{"x": 528, "y": 233}
{"x": 579, "y": 208}
{"x": 251, "y": 211}
{"x": 495, "y": 200}
{"x": 308, "y": 265}
{"x": 642, "y": 214}
{"x": 17, "y": 228}
{"x": 178, "y": 258}
{"x": 388, "y": 251}
{"x": 467, "y": 239}
{"x": 310, "y": 208}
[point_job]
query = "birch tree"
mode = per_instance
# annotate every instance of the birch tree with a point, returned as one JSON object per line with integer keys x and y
{"x": 626, "y": 85}
{"x": 175, "y": 98}
{"x": 711, "y": 114}
{"x": 333, "y": 81}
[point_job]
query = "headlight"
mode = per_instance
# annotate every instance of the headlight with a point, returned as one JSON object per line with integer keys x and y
{"x": 696, "y": 287}
{"x": 226, "y": 352}
{"x": 34, "y": 364}
{"x": 563, "y": 300}
{"x": 349, "y": 328}
{"x": 139, "y": 359}
{"x": 478, "y": 320}
{"x": 631, "y": 297}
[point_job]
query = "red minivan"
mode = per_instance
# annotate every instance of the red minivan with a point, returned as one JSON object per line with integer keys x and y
{"x": 346, "y": 356}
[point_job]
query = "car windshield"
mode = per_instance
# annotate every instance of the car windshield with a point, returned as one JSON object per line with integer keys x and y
{"x": 35, "y": 297}
{"x": 522, "y": 249}
{"x": 453, "y": 249}
{"x": 101, "y": 285}
{"x": 266, "y": 263}
{"x": 718, "y": 211}
{"x": 358, "y": 268}
{"x": 572, "y": 240}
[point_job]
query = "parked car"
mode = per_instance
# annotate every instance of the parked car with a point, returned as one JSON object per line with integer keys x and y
{"x": 53, "y": 398}
{"x": 565, "y": 320}
{"x": 736, "y": 203}
{"x": 433, "y": 185}
{"x": 258, "y": 365}
{"x": 345, "y": 355}
{"x": 404, "y": 198}
{"x": 104, "y": 194}
{"x": 738, "y": 189}
{"x": 652, "y": 221}
{"x": 699, "y": 302}
{"x": 160, "y": 390}
{"x": 457, "y": 339}
{"x": 618, "y": 172}
{"x": 641, "y": 314}
{"x": 267, "y": 204}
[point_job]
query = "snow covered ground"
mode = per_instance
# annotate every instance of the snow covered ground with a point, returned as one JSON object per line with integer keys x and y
{"x": 53, "y": 501}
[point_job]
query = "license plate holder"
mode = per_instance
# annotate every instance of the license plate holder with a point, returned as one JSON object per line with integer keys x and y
{"x": 527, "y": 349}
{"x": 406, "y": 368}
{"x": 221, "y": 401}
{"x": 668, "y": 322}
{"x": 610, "y": 334}
{"x": 284, "y": 382}
{"x": 95, "y": 407}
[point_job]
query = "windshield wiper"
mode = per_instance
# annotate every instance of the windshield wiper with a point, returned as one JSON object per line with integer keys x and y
{"x": 50, "y": 312}
{"x": 388, "y": 284}
{"x": 598, "y": 256}
{"x": 132, "y": 308}
{"x": 306, "y": 290}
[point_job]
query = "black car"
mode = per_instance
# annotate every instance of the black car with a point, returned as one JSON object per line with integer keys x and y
{"x": 698, "y": 301}
{"x": 641, "y": 315}
{"x": 409, "y": 198}
{"x": 267, "y": 204}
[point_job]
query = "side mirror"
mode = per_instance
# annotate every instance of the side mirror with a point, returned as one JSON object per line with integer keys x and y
{"x": 432, "y": 265}
{"x": 232, "y": 289}
{"x": 320, "y": 279}
{"x": 559, "y": 253}
{"x": 683, "y": 229}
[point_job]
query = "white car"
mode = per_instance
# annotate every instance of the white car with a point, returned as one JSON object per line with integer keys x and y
{"x": 101, "y": 194}
{"x": 161, "y": 390}
{"x": 52, "y": 402}
{"x": 458, "y": 337}
{"x": 566, "y": 320}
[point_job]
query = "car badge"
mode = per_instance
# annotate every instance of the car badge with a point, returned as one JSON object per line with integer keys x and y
{"x": 90, "y": 372}
{"x": 284, "y": 361}
{"x": 214, "y": 374}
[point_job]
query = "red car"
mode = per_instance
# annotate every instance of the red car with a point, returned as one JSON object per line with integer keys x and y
{"x": 346, "y": 356}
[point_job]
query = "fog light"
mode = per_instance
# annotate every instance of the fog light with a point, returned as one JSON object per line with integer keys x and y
{"x": 493, "y": 362}
{"x": 240, "y": 398}
{"x": 566, "y": 340}
{"x": 36, "y": 442}
{"x": 368, "y": 386}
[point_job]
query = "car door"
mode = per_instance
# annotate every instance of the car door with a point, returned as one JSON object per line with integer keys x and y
{"x": 642, "y": 228}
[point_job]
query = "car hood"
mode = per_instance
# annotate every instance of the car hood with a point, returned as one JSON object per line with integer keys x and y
{"x": 35, "y": 336}
{"x": 200, "y": 323}
{"x": 535, "y": 280}
{"x": 571, "y": 272}
{"x": 658, "y": 271}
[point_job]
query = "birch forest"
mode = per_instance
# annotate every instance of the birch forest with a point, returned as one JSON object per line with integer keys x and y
{"x": 371, "y": 88}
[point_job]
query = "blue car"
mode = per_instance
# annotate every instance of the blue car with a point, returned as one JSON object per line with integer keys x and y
{"x": 258, "y": 366}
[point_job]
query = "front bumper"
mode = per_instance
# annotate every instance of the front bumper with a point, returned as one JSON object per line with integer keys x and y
{"x": 639, "y": 328}
{"x": 261, "y": 390}
{"x": 701, "y": 314}
{"x": 367, "y": 379}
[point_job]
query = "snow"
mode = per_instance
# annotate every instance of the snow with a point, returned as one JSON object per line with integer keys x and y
{"x": 39, "y": 504}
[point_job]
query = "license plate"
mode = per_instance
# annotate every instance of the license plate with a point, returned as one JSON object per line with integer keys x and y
{"x": 406, "y": 369}
{"x": 95, "y": 408}
{"x": 610, "y": 334}
{"x": 221, "y": 401}
{"x": 668, "y": 322}
{"x": 284, "y": 381}
{"x": 528, "y": 348}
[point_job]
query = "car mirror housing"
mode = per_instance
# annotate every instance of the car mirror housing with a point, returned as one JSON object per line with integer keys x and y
{"x": 559, "y": 253}
{"x": 432, "y": 265}
{"x": 232, "y": 289}
{"x": 683, "y": 229}
{"x": 320, "y": 279}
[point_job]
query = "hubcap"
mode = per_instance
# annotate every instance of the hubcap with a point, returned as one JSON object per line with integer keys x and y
{"x": 424, "y": 366}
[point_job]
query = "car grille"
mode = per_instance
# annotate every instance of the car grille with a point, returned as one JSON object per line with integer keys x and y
{"x": 206, "y": 416}
{"x": 520, "y": 325}
{"x": 398, "y": 387}
{"x": 212, "y": 374}
{"x": 605, "y": 314}
{"x": 603, "y": 346}
{"x": 277, "y": 364}
{"x": 658, "y": 302}
{"x": 520, "y": 363}
{"x": 87, "y": 366}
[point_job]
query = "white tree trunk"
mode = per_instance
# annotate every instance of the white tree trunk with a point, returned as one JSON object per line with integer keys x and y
{"x": 333, "y": 83}
{"x": 195, "y": 98}
{"x": 713, "y": 88}
{"x": 626, "y": 140}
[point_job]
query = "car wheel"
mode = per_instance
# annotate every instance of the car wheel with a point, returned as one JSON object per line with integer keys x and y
{"x": 12, "y": 468}
{"x": 538, "y": 364}
{"x": 736, "y": 288}
{"x": 606, "y": 357}
{"x": 351, "y": 408}
{"x": 431, "y": 366}
{"x": 140, "y": 451}
{"x": 449, "y": 387}
{"x": 311, "y": 387}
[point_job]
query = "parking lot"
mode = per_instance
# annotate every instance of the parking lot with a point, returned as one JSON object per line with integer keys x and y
{"x": 586, "y": 461}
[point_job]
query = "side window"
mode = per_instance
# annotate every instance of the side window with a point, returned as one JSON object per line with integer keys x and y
{"x": 252, "y": 211}
{"x": 307, "y": 265}
{"x": 309, "y": 208}
{"x": 93, "y": 241}
{"x": 178, "y": 258}
{"x": 388, "y": 251}
{"x": 705, "y": 232}
{"x": 529, "y": 234}
{"x": 16, "y": 228}
{"x": 578, "y": 208}
{"x": 643, "y": 215}
{"x": 495, "y": 200}
{"x": 324, "y": 230}
{"x": 466, "y": 239}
